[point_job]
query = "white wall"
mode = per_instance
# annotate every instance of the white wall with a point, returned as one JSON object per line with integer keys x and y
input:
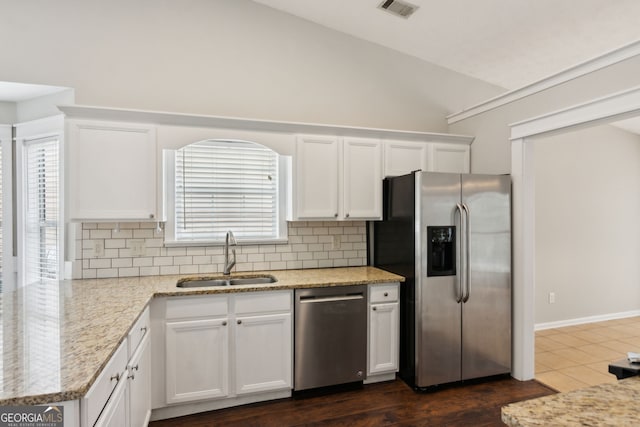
{"x": 42, "y": 106}
{"x": 491, "y": 149}
{"x": 587, "y": 229}
{"x": 7, "y": 113}
{"x": 225, "y": 57}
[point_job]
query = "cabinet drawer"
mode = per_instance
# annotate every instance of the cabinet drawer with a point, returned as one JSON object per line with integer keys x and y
{"x": 387, "y": 292}
{"x": 139, "y": 330}
{"x": 98, "y": 395}
{"x": 197, "y": 306}
{"x": 263, "y": 302}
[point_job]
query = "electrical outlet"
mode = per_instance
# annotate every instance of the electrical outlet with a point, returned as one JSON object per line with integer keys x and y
{"x": 552, "y": 297}
{"x": 98, "y": 248}
{"x": 335, "y": 244}
{"x": 138, "y": 247}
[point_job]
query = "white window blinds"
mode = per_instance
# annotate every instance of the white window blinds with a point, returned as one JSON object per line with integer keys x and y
{"x": 1, "y": 219}
{"x": 41, "y": 210}
{"x": 226, "y": 185}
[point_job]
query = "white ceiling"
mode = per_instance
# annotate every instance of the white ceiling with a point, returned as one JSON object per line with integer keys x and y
{"x": 509, "y": 43}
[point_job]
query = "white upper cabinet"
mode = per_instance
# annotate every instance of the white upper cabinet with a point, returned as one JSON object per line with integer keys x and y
{"x": 337, "y": 178}
{"x": 114, "y": 162}
{"x": 111, "y": 171}
{"x": 362, "y": 177}
{"x": 316, "y": 177}
{"x": 403, "y": 157}
{"x": 450, "y": 158}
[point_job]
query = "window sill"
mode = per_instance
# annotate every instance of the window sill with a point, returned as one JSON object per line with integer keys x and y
{"x": 179, "y": 243}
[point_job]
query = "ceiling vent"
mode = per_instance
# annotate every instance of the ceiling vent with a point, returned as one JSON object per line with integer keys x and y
{"x": 398, "y": 8}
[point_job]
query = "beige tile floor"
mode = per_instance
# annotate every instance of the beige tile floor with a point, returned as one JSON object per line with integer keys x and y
{"x": 578, "y": 356}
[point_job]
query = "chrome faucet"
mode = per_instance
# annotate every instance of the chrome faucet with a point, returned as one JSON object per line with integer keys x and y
{"x": 228, "y": 265}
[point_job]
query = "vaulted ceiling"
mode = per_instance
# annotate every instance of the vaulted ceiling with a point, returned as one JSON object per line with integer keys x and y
{"x": 509, "y": 43}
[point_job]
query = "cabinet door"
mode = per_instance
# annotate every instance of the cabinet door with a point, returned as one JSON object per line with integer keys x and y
{"x": 403, "y": 157}
{"x": 139, "y": 377}
{"x": 111, "y": 171}
{"x": 197, "y": 362}
{"x": 362, "y": 178}
{"x": 383, "y": 338}
{"x": 450, "y": 158}
{"x": 115, "y": 412}
{"x": 316, "y": 177}
{"x": 263, "y": 353}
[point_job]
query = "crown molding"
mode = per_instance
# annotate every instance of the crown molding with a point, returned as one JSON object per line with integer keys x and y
{"x": 181, "y": 119}
{"x": 571, "y": 73}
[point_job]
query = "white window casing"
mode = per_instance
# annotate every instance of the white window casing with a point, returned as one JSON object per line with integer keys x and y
{"x": 219, "y": 185}
{"x": 40, "y": 214}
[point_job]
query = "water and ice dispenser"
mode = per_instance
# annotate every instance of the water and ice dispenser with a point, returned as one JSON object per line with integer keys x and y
{"x": 441, "y": 251}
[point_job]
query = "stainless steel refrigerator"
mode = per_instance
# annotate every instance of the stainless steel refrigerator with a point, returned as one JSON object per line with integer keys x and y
{"x": 450, "y": 236}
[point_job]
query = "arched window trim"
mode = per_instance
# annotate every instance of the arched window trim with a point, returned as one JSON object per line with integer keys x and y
{"x": 218, "y": 185}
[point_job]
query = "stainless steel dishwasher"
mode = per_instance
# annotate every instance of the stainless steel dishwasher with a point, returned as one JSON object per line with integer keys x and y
{"x": 330, "y": 336}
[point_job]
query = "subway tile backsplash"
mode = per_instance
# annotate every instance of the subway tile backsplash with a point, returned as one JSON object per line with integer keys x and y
{"x": 137, "y": 249}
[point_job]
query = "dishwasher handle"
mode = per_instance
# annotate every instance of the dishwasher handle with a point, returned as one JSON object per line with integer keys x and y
{"x": 331, "y": 298}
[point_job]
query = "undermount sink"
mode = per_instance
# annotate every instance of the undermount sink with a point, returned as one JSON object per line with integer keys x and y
{"x": 207, "y": 281}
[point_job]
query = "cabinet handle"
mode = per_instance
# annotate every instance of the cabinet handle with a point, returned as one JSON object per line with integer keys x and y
{"x": 239, "y": 322}
{"x": 375, "y": 308}
{"x": 115, "y": 377}
{"x": 132, "y": 376}
{"x": 224, "y": 323}
{"x": 135, "y": 368}
{"x": 143, "y": 329}
{"x": 386, "y": 294}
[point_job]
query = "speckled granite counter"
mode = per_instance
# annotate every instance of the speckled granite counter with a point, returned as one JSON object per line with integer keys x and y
{"x": 613, "y": 404}
{"x": 58, "y": 336}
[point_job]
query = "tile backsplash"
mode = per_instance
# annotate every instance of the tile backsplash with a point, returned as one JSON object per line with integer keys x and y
{"x": 137, "y": 249}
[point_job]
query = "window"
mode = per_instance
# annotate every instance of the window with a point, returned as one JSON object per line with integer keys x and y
{"x": 39, "y": 194}
{"x": 6, "y": 236}
{"x": 226, "y": 185}
{"x": 41, "y": 210}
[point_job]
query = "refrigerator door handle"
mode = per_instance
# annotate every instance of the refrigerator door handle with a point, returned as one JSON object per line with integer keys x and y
{"x": 467, "y": 290}
{"x": 460, "y": 281}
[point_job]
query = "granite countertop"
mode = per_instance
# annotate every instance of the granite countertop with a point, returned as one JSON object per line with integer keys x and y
{"x": 57, "y": 336}
{"x": 611, "y": 404}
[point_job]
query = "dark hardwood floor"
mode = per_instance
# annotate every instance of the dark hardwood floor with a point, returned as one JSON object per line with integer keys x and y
{"x": 384, "y": 404}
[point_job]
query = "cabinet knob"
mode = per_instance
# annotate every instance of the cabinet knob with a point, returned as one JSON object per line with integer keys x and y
{"x": 335, "y": 215}
{"x": 375, "y": 308}
{"x": 151, "y": 216}
{"x": 239, "y": 322}
{"x": 386, "y": 294}
{"x": 224, "y": 323}
{"x": 347, "y": 216}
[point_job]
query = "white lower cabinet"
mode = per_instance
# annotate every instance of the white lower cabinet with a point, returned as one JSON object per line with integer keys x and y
{"x": 227, "y": 346}
{"x": 115, "y": 412}
{"x": 383, "y": 321}
{"x": 263, "y": 351}
{"x": 197, "y": 359}
{"x": 139, "y": 384}
{"x": 121, "y": 396}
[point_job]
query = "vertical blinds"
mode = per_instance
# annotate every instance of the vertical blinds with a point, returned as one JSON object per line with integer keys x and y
{"x": 41, "y": 214}
{"x": 226, "y": 185}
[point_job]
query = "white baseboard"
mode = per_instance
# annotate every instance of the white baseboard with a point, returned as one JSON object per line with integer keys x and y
{"x": 583, "y": 320}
